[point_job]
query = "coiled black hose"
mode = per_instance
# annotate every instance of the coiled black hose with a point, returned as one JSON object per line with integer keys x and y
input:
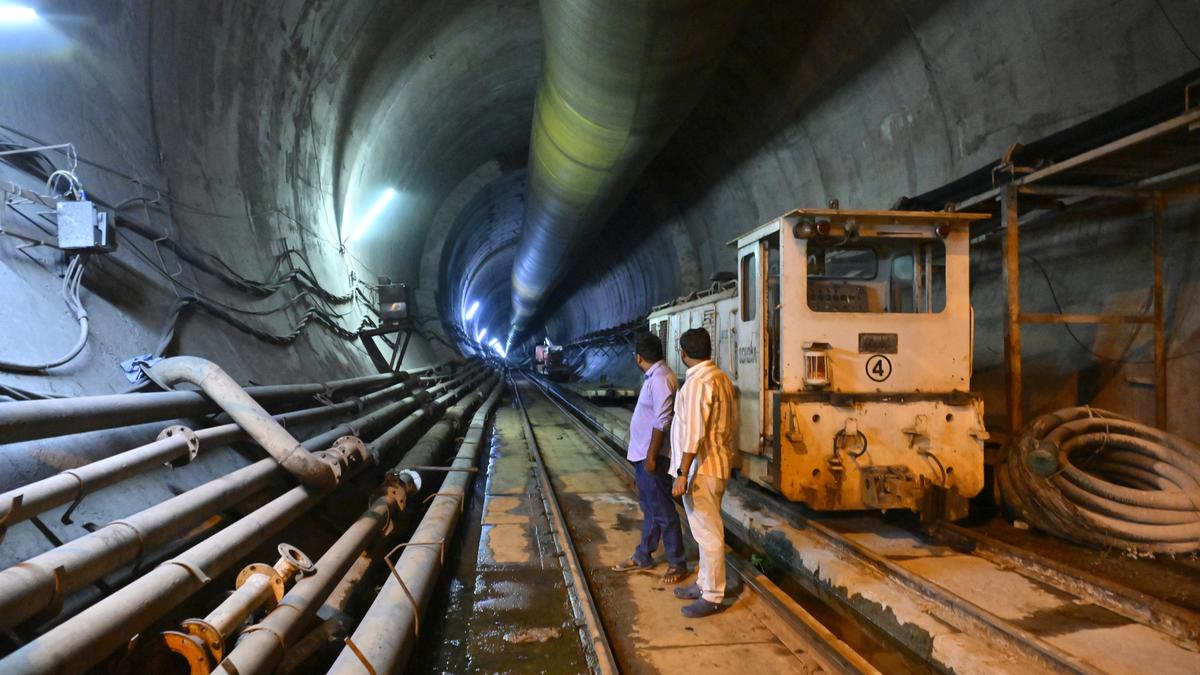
{"x": 1103, "y": 480}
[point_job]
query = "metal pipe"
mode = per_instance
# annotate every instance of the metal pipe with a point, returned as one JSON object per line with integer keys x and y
{"x": 205, "y": 639}
{"x": 31, "y": 420}
{"x": 260, "y": 650}
{"x": 178, "y": 447}
{"x": 36, "y": 585}
{"x": 618, "y": 78}
{"x": 222, "y": 389}
{"x": 80, "y": 642}
{"x": 263, "y": 648}
{"x": 385, "y": 635}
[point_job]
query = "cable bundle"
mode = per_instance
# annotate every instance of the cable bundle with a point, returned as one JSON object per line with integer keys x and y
{"x": 1102, "y": 480}
{"x": 70, "y": 295}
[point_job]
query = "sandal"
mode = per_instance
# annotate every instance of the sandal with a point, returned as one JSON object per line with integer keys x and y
{"x": 675, "y": 575}
{"x": 629, "y": 564}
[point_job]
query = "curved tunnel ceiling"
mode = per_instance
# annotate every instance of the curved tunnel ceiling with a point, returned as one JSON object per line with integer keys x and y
{"x": 861, "y": 101}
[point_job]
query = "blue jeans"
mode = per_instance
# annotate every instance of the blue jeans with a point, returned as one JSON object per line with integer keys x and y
{"x": 660, "y": 520}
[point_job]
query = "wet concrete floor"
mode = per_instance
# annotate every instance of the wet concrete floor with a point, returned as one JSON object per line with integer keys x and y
{"x": 506, "y": 609}
{"x": 641, "y": 615}
{"x": 503, "y": 606}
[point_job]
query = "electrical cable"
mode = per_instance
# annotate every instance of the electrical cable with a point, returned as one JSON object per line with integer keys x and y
{"x": 70, "y": 296}
{"x": 185, "y": 303}
{"x": 39, "y": 166}
{"x": 1059, "y": 308}
{"x": 1101, "y": 357}
{"x": 1102, "y": 480}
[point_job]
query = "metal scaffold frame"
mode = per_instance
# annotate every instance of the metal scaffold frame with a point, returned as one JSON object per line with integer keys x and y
{"x": 1158, "y": 166}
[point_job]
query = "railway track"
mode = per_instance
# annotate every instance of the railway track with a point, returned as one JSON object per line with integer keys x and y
{"x": 830, "y": 560}
{"x": 804, "y": 632}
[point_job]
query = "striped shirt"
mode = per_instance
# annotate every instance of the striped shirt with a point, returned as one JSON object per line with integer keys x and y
{"x": 705, "y": 420}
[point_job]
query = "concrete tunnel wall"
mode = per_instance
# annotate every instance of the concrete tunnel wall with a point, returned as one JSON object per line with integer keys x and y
{"x": 265, "y": 121}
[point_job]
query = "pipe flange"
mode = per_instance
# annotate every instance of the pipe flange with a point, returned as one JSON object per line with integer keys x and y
{"x": 397, "y": 498}
{"x": 295, "y": 558}
{"x": 191, "y": 648}
{"x": 189, "y": 437}
{"x": 259, "y": 568}
{"x": 208, "y": 635}
{"x": 335, "y": 462}
{"x": 351, "y": 450}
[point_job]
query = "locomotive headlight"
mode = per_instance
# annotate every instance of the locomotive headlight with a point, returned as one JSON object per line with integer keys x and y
{"x": 804, "y": 229}
{"x": 808, "y": 228}
{"x": 816, "y": 365}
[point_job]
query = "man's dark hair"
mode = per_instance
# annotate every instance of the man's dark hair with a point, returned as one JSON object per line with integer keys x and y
{"x": 696, "y": 344}
{"x": 649, "y": 347}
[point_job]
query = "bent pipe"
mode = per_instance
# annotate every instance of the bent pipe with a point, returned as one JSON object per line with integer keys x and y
{"x": 22, "y": 503}
{"x": 32, "y": 420}
{"x": 38, "y": 584}
{"x": 79, "y": 643}
{"x": 385, "y": 634}
{"x": 260, "y": 650}
{"x": 618, "y": 78}
{"x": 249, "y": 415}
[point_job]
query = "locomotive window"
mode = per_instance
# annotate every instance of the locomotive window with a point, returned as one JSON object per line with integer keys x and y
{"x": 878, "y": 275}
{"x": 849, "y": 262}
{"x": 749, "y": 287}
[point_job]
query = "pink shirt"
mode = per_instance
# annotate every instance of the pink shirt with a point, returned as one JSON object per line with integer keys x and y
{"x": 655, "y": 408}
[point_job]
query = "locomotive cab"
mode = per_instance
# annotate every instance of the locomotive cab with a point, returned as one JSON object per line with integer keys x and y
{"x": 851, "y": 348}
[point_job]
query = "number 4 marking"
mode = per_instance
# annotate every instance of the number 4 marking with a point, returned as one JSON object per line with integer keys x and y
{"x": 879, "y": 368}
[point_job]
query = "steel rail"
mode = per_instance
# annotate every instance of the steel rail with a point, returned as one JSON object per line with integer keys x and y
{"x": 955, "y": 610}
{"x": 584, "y": 604}
{"x": 1178, "y": 622}
{"x": 84, "y": 640}
{"x": 37, "y": 585}
{"x": 263, "y": 646}
{"x": 829, "y": 649}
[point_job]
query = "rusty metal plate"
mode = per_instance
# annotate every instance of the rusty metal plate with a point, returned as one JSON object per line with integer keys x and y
{"x": 878, "y": 343}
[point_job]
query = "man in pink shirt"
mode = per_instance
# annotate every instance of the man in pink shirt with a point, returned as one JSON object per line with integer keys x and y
{"x": 650, "y": 452}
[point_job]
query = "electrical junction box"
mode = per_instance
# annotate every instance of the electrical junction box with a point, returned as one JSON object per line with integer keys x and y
{"x": 393, "y": 304}
{"x": 84, "y": 228}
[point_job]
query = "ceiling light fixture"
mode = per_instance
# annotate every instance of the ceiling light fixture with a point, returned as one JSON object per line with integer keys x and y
{"x": 479, "y": 337}
{"x": 17, "y": 14}
{"x": 471, "y": 311}
{"x": 372, "y": 215}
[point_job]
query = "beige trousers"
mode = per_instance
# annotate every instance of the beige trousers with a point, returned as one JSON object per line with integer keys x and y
{"x": 702, "y": 503}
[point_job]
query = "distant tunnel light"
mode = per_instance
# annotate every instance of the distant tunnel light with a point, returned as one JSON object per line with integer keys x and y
{"x": 480, "y": 335}
{"x": 13, "y": 14}
{"x": 471, "y": 311}
{"x": 372, "y": 215}
{"x": 495, "y": 344}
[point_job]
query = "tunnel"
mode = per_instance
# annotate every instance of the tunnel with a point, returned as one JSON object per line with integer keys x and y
{"x": 244, "y": 132}
{"x": 548, "y": 173}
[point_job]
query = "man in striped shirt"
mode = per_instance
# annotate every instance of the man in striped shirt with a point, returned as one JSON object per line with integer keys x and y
{"x": 701, "y": 457}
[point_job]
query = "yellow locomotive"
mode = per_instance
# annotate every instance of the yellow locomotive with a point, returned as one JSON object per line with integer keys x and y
{"x": 848, "y": 335}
